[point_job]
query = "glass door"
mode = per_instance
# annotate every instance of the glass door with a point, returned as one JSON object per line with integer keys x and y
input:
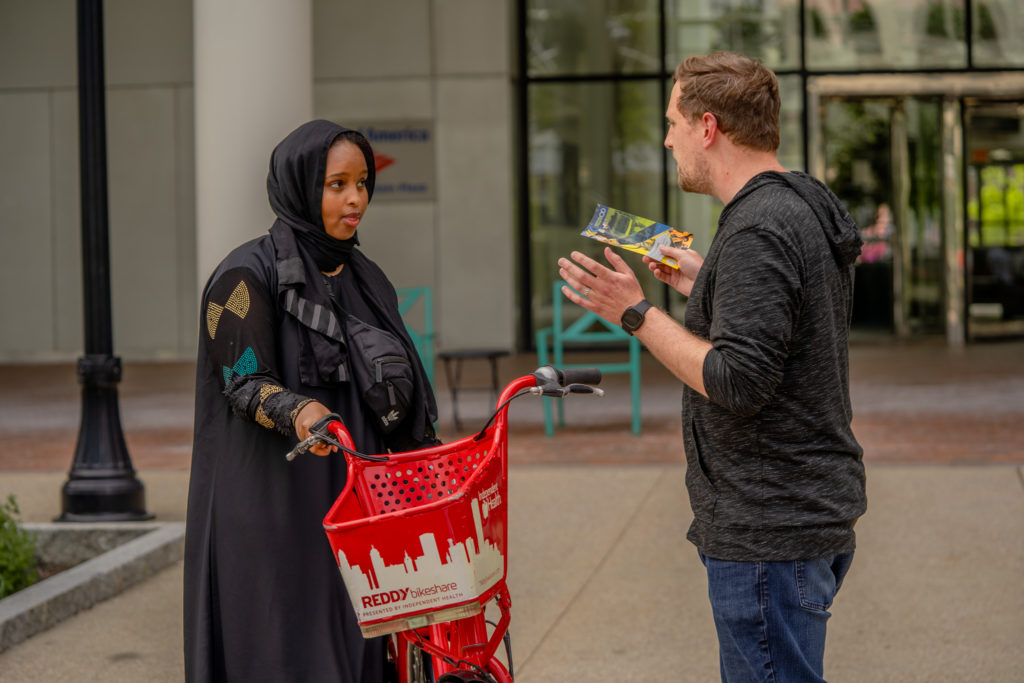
{"x": 995, "y": 218}
{"x": 882, "y": 157}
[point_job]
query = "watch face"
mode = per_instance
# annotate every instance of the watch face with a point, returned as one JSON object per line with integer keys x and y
{"x": 632, "y": 318}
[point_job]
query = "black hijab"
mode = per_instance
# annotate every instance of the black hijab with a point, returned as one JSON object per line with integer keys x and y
{"x": 295, "y": 187}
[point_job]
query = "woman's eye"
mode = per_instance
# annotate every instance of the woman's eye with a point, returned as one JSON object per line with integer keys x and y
{"x": 362, "y": 183}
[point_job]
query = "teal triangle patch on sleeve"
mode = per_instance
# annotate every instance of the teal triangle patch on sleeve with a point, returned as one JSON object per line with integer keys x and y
{"x": 247, "y": 363}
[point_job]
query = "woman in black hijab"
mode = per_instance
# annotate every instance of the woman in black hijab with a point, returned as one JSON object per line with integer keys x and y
{"x": 264, "y": 600}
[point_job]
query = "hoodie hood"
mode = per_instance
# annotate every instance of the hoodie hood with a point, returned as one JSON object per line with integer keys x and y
{"x": 841, "y": 232}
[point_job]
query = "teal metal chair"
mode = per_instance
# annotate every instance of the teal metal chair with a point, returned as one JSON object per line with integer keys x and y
{"x": 588, "y": 330}
{"x": 416, "y": 306}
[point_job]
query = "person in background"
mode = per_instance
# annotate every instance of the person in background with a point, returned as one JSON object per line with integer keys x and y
{"x": 774, "y": 473}
{"x": 263, "y": 599}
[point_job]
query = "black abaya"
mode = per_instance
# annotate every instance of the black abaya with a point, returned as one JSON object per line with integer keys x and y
{"x": 264, "y": 600}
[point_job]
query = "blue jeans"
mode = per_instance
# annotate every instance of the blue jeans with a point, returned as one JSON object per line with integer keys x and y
{"x": 770, "y": 616}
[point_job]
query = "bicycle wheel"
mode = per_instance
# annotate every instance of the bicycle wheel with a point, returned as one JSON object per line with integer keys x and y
{"x": 464, "y": 677}
{"x": 415, "y": 665}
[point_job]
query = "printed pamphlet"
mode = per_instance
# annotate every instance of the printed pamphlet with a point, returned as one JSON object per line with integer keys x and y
{"x": 640, "y": 235}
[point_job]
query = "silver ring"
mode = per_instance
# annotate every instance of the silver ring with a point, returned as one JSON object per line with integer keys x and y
{"x": 586, "y": 291}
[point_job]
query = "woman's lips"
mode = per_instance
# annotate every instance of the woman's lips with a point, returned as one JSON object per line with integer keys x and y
{"x": 351, "y": 220}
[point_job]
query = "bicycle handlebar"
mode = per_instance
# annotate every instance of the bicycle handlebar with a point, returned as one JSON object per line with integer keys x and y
{"x": 581, "y": 376}
{"x": 550, "y": 381}
{"x": 558, "y": 383}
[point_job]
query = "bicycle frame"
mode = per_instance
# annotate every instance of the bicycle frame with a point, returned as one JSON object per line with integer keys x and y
{"x": 430, "y": 495}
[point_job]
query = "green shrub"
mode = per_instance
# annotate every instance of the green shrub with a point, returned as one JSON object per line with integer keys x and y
{"x": 17, "y": 551}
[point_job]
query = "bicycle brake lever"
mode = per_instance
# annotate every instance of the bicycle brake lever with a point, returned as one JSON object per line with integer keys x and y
{"x": 300, "y": 448}
{"x": 550, "y": 390}
{"x": 584, "y": 389}
{"x": 317, "y": 434}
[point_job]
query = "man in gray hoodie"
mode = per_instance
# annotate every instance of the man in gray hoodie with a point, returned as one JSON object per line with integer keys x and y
{"x": 774, "y": 472}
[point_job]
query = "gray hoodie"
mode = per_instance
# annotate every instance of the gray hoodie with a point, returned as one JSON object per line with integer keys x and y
{"x": 773, "y": 469}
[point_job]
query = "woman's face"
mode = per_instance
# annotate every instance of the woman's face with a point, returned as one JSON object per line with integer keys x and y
{"x": 345, "y": 194}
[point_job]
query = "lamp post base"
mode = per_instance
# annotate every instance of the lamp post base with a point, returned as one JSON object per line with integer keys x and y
{"x": 110, "y": 499}
{"x": 101, "y": 486}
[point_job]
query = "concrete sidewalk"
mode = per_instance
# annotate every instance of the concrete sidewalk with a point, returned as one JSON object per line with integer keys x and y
{"x": 604, "y": 585}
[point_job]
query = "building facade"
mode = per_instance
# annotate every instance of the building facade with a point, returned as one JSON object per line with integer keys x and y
{"x": 503, "y": 124}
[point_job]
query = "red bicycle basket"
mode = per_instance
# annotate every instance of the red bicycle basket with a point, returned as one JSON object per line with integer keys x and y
{"x": 421, "y": 538}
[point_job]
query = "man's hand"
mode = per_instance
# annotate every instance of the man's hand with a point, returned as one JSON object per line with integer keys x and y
{"x": 680, "y": 279}
{"x": 307, "y": 417}
{"x": 610, "y": 292}
{"x": 604, "y": 291}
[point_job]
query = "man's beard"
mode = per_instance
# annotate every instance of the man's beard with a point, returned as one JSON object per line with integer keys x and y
{"x": 696, "y": 178}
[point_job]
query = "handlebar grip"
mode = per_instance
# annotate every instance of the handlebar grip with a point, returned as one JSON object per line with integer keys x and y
{"x": 579, "y": 376}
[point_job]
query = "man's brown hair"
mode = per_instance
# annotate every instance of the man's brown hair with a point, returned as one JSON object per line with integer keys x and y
{"x": 741, "y": 92}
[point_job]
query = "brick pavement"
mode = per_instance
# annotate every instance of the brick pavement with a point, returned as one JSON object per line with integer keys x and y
{"x": 915, "y": 402}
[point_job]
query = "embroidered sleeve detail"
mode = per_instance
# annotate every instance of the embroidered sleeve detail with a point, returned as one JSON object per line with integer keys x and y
{"x": 261, "y": 417}
{"x": 296, "y": 409}
{"x": 282, "y": 407}
{"x": 245, "y": 365}
{"x": 237, "y": 303}
{"x": 213, "y": 312}
{"x": 240, "y": 320}
{"x": 264, "y": 402}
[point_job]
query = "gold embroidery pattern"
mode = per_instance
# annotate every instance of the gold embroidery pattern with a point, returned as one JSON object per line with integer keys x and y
{"x": 269, "y": 390}
{"x": 213, "y": 312}
{"x": 266, "y": 390}
{"x": 238, "y": 303}
{"x": 296, "y": 409}
{"x": 262, "y": 420}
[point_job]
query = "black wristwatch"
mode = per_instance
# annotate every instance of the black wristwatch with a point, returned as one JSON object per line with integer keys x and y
{"x": 633, "y": 317}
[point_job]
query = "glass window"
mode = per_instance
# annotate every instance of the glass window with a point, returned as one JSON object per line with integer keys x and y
{"x": 997, "y": 29}
{"x": 885, "y": 34}
{"x": 996, "y": 207}
{"x": 762, "y": 29}
{"x": 576, "y": 37}
{"x": 589, "y": 143}
{"x": 791, "y": 122}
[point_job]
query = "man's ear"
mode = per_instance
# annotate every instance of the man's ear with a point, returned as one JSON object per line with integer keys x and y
{"x": 710, "y": 129}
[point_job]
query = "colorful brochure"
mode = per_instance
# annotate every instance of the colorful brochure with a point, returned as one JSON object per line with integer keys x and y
{"x": 640, "y": 235}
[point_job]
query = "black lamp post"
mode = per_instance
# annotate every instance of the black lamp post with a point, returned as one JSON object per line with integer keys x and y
{"x": 101, "y": 485}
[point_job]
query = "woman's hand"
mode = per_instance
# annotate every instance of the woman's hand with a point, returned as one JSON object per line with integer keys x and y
{"x": 307, "y": 417}
{"x": 680, "y": 279}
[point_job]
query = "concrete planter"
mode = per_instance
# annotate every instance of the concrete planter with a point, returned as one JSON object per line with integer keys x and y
{"x": 108, "y": 558}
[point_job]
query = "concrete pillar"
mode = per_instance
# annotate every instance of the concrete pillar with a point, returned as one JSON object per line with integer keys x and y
{"x": 253, "y": 85}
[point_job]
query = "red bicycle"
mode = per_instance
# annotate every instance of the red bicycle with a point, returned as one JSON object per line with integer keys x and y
{"x": 421, "y": 538}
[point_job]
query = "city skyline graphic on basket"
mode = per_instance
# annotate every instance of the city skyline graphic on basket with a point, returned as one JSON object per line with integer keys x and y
{"x": 422, "y": 573}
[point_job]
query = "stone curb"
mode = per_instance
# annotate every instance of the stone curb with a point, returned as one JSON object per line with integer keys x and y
{"x": 63, "y": 595}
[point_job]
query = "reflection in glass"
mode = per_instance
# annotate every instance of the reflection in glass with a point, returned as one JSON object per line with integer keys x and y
{"x": 589, "y": 143}
{"x": 995, "y": 218}
{"x": 885, "y": 34}
{"x": 997, "y": 29}
{"x": 996, "y": 229}
{"x": 924, "y": 280}
{"x": 578, "y": 37}
{"x": 996, "y": 207}
{"x": 858, "y": 169}
{"x": 769, "y": 31}
{"x": 881, "y": 157}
